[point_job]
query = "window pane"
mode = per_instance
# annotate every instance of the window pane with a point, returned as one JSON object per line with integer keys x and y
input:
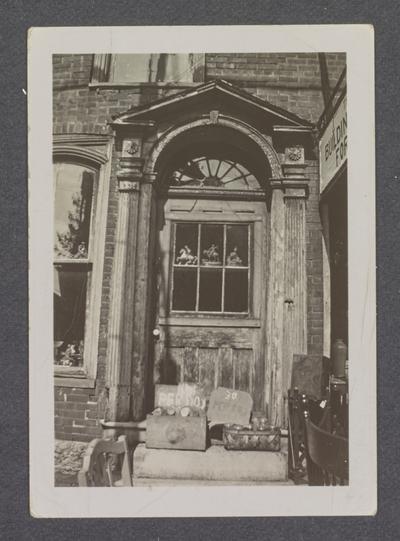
{"x": 155, "y": 67}
{"x": 131, "y": 67}
{"x": 237, "y": 245}
{"x": 186, "y": 244}
{"x": 236, "y": 290}
{"x": 72, "y": 210}
{"x": 210, "y": 293}
{"x": 184, "y": 293}
{"x": 212, "y": 244}
{"x": 69, "y": 315}
{"x": 175, "y": 67}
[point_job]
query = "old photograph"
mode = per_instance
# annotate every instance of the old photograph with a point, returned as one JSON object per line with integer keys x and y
{"x": 200, "y": 259}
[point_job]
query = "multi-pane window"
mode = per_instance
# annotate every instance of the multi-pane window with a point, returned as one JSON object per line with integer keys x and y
{"x": 149, "y": 68}
{"x": 211, "y": 268}
{"x": 75, "y": 186}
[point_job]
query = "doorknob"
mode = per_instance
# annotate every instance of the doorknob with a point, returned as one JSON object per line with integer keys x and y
{"x": 156, "y": 333}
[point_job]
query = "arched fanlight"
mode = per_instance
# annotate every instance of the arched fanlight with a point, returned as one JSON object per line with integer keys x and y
{"x": 211, "y": 172}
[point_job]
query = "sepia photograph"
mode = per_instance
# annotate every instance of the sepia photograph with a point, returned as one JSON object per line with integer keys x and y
{"x": 199, "y": 233}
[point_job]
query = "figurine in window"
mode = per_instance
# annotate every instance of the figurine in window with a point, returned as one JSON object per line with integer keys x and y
{"x": 186, "y": 257}
{"x": 233, "y": 258}
{"x": 70, "y": 355}
{"x": 82, "y": 252}
{"x": 211, "y": 255}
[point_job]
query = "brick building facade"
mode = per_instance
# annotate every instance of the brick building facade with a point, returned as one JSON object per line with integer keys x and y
{"x": 94, "y": 119}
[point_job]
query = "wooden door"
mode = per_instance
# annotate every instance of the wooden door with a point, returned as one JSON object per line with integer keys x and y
{"x": 211, "y": 295}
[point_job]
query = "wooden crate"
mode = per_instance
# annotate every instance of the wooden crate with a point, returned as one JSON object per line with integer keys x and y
{"x": 176, "y": 432}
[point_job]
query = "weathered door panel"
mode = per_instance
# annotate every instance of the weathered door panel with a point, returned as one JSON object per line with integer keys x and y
{"x": 212, "y": 349}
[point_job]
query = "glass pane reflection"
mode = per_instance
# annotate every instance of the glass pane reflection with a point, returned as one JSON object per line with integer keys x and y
{"x": 69, "y": 315}
{"x": 210, "y": 295}
{"x": 212, "y": 244}
{"x": 184, "y": 293}
{"x": 186, "y": 244}
{"x": 72, "y": 210}
{"x": 237, "y": 245}
{"x": 236, "y": 290}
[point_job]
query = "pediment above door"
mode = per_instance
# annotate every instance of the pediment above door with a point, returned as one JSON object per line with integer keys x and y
{"x": 212, "y": 99}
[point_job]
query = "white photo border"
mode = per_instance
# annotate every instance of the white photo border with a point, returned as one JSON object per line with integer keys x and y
{"x": 360, "y": 497}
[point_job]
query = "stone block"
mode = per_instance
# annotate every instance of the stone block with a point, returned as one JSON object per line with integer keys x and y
{"x": 215, "y": 464}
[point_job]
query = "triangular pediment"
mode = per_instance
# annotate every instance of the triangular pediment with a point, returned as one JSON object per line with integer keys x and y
{"x": 216, "y": 95}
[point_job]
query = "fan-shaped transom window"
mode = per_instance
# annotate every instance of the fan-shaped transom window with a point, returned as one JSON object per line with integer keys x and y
{"x": 213, "y": 172}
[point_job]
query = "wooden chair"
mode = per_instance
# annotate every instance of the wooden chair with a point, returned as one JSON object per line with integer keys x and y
{"x": 102, "y": 463}
{"x": 326, "y": 455}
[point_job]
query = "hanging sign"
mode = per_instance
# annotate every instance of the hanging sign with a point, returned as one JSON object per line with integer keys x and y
{"x": 333, "y": 146}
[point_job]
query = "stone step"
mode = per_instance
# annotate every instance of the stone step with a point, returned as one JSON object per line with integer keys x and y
{"x": 146, "y": 482}
{"x": 214, "y": 464}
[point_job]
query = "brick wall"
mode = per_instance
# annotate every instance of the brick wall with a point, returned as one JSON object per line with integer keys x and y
{"x": 71, "y": 70}
{"x": 314, "y": 263}
{"x": 76, "y": 414}
{"x": 108, "y": 261}
{"x": 290, "y": 81}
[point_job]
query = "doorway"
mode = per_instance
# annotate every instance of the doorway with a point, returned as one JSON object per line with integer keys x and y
{"x": 211, "y": 280}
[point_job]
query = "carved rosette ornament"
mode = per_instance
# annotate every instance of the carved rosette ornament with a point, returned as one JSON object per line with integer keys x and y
{"x": 294, "y": 166}
{"x": 294, "y": 154}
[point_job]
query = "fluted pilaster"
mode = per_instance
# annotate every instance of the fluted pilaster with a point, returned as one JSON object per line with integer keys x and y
{"x": 120, "y": 336}
{"x": 287, "y": 284}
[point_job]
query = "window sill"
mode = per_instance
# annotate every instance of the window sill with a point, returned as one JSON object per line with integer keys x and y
{"x": 70, "y": 377}
{"x": 116, "y": 85}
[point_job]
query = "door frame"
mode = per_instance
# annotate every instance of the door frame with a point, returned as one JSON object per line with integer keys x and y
{"x": 256, "y": 213}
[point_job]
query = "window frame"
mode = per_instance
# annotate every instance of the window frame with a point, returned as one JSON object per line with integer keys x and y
{"x": 93, "y": 153}
{"x": 223, "y": 267}
{"x": 228, "y": 210}
{"x": 102, "y": 65}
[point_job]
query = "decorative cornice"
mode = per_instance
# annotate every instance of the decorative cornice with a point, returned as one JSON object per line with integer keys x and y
{"x": 79, "y": 153}
{"x": 86, "y": 139}
{"x": 293, "y": 129}
{"x": 138, "y": 124}
{"x": 224, "y": 88}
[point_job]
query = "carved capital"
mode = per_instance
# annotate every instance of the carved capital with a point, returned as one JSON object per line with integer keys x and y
{"x": 130, "y": 173}
{"x": 291, "y": 187}
{"x": 294, "y": 170}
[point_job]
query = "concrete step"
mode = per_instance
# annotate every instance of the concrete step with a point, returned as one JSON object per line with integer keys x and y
{"x": 215, "y": 464}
